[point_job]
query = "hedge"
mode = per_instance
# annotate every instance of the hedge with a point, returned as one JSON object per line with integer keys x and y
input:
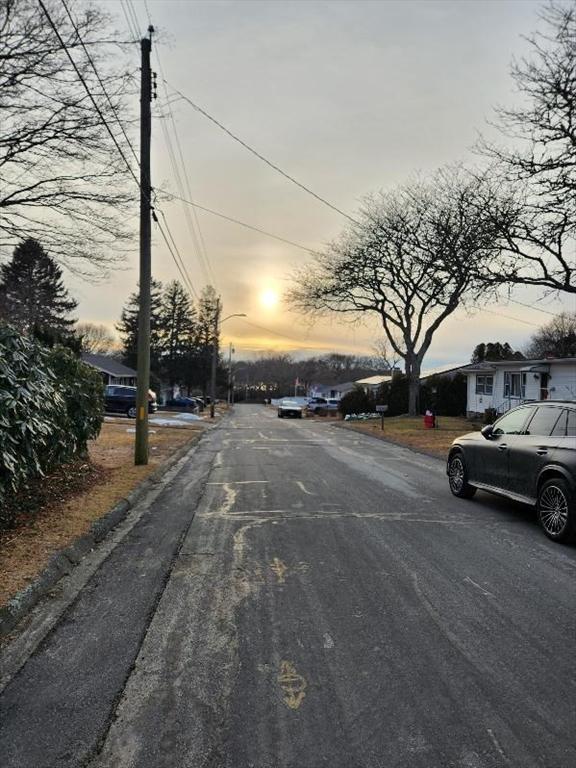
{"x": 51, "y": 404}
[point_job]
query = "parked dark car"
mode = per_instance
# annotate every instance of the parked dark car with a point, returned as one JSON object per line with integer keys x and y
{"x": 183, "y": 403}
{"x": 529, "y": 455}
{"x": 119, "y": 399}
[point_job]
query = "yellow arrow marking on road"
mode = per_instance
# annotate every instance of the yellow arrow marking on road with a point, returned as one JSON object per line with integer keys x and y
{"x": 279, "y": 569}
{"x": 293, "y": 685}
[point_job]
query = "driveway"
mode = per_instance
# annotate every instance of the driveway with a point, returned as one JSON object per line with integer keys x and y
{"x": 299, "y": 596}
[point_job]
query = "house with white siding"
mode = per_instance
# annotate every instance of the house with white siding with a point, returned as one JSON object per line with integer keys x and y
{"x": 503, "y": 384}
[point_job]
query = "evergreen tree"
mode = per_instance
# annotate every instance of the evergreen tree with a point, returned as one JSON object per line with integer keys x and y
{"x": 178, "y": 332}
{"x": 128, "y": 328}
{"x": 207, "y": 308}
{"x": 495, "y": 350}
{"x": 33, "y": 297}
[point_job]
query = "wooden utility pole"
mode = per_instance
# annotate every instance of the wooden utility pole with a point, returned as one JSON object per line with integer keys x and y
{"x": 141, "y": 444}
{"x": 214, "y": 357}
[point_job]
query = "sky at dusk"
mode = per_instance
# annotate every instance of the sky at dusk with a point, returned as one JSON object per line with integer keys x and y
{"x": 347, "y": 97}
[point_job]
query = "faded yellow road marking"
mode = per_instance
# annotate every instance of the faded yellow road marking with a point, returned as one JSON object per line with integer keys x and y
{"x": 293, "y": 685}
{"x": 279, "y": 569}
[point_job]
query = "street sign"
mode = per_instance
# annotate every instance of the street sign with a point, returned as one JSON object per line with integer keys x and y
{"x": 381, "y": 408}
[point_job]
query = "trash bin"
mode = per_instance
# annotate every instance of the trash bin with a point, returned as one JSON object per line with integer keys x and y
{"x": 429, "y": 420}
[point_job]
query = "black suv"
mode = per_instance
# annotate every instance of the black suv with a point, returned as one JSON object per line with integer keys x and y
{"x": 118, "y": 399}
{"x": 529, "y": 455}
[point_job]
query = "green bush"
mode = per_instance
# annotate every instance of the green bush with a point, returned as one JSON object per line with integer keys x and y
{"x": 51, "y": 404}
{"x": 356, "y": 401}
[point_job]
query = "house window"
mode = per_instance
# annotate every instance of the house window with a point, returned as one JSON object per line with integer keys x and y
{"x": 484, "y": 385}
{"x": 514, "y": 384}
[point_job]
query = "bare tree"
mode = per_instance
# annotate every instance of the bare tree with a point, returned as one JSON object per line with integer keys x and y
{"x": 412, "y": 260}
{"x": 538, "y": 243}
{"x": 555, "y": 339}
{"x": 96, "y": 339}
{"x": 63, "y": 180}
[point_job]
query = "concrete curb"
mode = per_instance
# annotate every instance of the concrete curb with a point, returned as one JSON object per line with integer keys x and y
{"x": 64, "y": 561}
{"x": 421, "y": 451}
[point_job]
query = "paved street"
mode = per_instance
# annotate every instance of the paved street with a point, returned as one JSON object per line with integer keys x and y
{"x": 299, "y": 595}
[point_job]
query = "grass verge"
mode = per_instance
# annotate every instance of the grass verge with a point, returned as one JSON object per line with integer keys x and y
{"x": 59, "y": 508}
{"x": 409, "y": 431}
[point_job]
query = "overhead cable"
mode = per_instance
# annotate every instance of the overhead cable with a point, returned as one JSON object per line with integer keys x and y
{"x": 104, "y": 91}
{"x": 260, "y": 156}
{"x": 239, "y": 222}
{"x": 88, "y": 91}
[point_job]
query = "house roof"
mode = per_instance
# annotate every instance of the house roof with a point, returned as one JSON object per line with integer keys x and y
{"x": 440, "y": 369}
{"x": 521, "y": 365}
{"x": 108, "y": 365}
{"x": 374, "y": 381}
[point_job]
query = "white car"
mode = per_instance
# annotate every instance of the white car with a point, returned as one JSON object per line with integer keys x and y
{"x": 290, "y": 408}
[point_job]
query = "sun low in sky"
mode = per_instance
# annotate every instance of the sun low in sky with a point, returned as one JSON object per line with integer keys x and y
{"x": 269, "y": 298}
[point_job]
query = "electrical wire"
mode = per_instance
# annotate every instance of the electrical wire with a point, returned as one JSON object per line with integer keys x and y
{"x": 88, "y": 91}
{"x": 533, "y": 306}
{"x": 240, "y": 223}
{"x": 509, "y": 317}
{"x": 190, "y": 282}
{"x": 104, "y": 91}
{"x": 268, "y": 330}
{"x": 176, "y": 258}
{"x": 260, "y": 156}
{"x": 130, "y": 23}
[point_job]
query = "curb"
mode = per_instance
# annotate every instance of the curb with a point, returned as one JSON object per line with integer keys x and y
{"x": 65, "y": 560}
{"x": 421, "y": 451}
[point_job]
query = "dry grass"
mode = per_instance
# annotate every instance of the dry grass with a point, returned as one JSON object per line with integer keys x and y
{"x": 410, "y": 431}
{"x": 72, "y": 498}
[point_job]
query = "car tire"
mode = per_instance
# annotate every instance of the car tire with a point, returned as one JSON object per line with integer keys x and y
{"x": 458, "y": 477}
{"x": 131, "y": 412}
{"x": 279, "y": 415}
{"x": 556, "y": 508}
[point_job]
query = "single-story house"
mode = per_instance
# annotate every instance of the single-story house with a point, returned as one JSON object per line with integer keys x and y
{"x": 449, "y": 371}
{"x": 112, "y": 371}
{"x": 370, "y": 384}
{"x": 503, "y": 384}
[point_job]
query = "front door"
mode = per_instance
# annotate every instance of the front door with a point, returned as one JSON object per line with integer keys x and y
{"x": 544, "y": 380}
{"x": 492, "y": 460}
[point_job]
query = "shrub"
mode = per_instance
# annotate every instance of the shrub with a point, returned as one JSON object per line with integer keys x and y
{"x": 50, "y": 406}
{"x": 356, "y": 401}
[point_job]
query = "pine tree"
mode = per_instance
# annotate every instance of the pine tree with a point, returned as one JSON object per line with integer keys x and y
{"x": 128, "y": 328}
{"x": 178, "y": 331}
{"x": 207, "y": 308}
{"x": 33, "y": 297}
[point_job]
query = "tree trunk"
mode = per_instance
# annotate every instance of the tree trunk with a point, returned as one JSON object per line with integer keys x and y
{"x": 413, "y": 374}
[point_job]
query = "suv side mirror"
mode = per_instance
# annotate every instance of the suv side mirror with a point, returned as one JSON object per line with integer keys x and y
{"x": 487, "y": 431}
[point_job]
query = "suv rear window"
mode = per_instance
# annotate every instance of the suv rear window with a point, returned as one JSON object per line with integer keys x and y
{"x": 543, "y": 421}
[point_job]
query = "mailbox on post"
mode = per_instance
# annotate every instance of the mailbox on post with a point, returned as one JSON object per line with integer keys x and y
{"x": 381, "y": 409}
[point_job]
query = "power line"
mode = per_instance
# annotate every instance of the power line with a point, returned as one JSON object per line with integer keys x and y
{"x": 268, "y": 330}
{"x": 130, "y": 22}
{"x": 260, "y": 156}
{"x": 181, "y": 269}
{"x": 87, "y": 89}
{"x": 509, "y": 317}
{"x": 240, "y": 223}
{"x": 190, "y": 281}
{"x": 104, "y": 91}
{"x": 202, "y": 257}
{"x": 533, "y": 306}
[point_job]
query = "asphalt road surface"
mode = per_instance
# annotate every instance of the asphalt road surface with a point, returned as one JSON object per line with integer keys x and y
{"x": 297, "y": 596}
